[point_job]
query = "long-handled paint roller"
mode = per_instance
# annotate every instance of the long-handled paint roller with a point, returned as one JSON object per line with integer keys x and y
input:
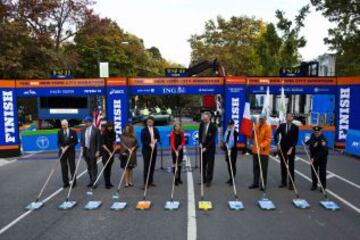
{"x": 70, "y": 204}
{"x": 264, "y": 202}
{"x": 298, "y": 202}
{"x": 236, "y": 204}
{"x": 92, "y": 205}
{"x": 326, "y": 203}
{"x": 145, "y": 204}
{"x": 173, "y": 205}
{"x": 37, "y": 204}
{"x": 203, "y": 205}
{"x": 117, "y": 205}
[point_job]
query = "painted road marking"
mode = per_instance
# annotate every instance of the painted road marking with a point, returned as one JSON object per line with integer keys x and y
{"x": 6, "y": 162}
{"x": 22, "y": 216}
{"x": 331, "y": 174}
{"x": 356, "y": 209}
{"x": 191, "y": 223}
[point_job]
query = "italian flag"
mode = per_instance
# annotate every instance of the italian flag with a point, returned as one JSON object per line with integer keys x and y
{"x": 246, "y": 127}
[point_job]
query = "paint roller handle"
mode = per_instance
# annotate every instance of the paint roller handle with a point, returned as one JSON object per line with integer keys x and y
{"x": 102, "y": 170}
{"x": 259, "y": 160}
{"x": 48, "y": 178}
{"x": 314, "y": 170}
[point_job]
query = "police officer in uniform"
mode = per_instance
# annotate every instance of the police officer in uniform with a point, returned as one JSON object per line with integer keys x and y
{"x": 318, "y": 153}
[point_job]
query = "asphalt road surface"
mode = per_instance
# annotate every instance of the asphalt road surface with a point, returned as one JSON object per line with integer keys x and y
{"x": 21, "y": 180}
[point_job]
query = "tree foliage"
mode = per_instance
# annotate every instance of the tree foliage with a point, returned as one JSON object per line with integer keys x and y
{"x": 345, "y": 37}
{"x": 248, "y": 46}
{"x": 231, "y": 42}
{"x": 41, "y": 35}
{"x": 292, "y": 41}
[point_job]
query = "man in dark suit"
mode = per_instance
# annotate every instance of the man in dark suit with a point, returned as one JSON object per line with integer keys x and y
{"x": 230, "y": 140}
{"x": 150, "y": 136}
{"x": 67, "y": 140}
{"x": 289, "y": 137}
{"x": 90, "y": 143}
{"x": 207, "y": 135}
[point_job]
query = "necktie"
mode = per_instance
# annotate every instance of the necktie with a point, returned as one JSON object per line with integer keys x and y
{"x": 151, "y": 134}
{"x": 228, "y": 136}
{"x": 204, "y": 133}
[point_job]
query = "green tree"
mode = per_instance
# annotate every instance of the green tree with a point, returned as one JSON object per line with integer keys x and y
{"x": 292, "y": 41}
{"x": 102, "y": 40}
{"x": 268, "y": 50}
{"x": 232, "y": 42}
{"x": 345, "y": 37}
{"x": 55, "y": 19}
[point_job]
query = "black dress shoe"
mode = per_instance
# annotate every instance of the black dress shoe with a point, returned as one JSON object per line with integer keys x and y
{"x": 253, "y": 186}
{"x": 152, "y": 184}
{"x": 66, "y": 185}
{"x": 313, "y": 188}
{"x": 179, "y": 181}
{"x": 282, "y": 185}
{"x": 208, "y": 184}
{"x": 109, "y": 186}
{"x": 89, "y": 185}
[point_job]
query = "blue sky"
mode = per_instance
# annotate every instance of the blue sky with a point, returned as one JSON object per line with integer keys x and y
{"x": 168, "y": 24}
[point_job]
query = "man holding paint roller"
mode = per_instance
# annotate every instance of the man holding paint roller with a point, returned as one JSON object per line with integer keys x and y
{"x": 289, "y": 137}
{"x": 150, "y": 136}
{"x": 67, "y": 140}
{"x": 261, "y": 146}
{"x": 90, "y": 143}
{"x": 207, "y": 135}
{"x": 230, "y": 140}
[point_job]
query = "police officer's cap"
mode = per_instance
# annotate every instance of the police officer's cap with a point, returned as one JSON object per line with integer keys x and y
{"x": 231, "y": 122}
{"x": 317, "y": 128}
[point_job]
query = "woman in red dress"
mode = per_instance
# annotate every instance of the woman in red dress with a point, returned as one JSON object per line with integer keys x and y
{"x": 177, "y": 143}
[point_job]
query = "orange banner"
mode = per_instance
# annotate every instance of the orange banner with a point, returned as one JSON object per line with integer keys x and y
{"x": 118, "y": 81}
{"x": 348, "y": 80}
{"x": 291, "y": 80}
{"x": 7, "y": 83}
{"x": 85, "y": 82}
{"x": 176, "y": 81}
{"x": 235, "y": 80}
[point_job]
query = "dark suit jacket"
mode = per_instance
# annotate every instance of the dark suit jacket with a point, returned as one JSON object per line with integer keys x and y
{"x": 95, "y": 140}
{"x": 236, "y": 135}
{"x": 146, "y": 137}
{"x": 71, "y": 141}
{"x": 210, "y": 136}
{"x": 288, "y": 139}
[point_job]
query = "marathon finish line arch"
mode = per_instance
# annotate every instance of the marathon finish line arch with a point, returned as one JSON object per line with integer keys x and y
{"x": 235, "y": 91}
